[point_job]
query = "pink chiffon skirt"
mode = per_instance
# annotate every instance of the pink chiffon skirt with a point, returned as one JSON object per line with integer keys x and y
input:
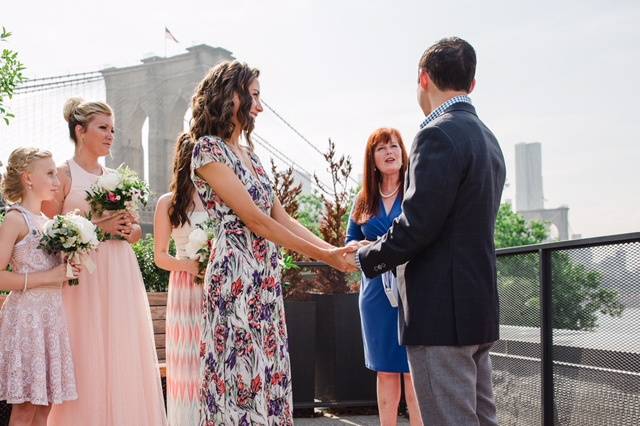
{"x": 114, "y": 353}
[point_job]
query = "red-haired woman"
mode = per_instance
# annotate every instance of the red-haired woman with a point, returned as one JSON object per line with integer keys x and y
{"x": 377, "y": 205}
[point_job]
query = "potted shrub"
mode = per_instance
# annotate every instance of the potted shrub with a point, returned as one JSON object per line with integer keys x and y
{"x": 300, "y": 311}
{"x": 340, "y": 371}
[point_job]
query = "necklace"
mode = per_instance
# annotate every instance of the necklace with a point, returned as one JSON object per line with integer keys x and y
{"x": 389, "y": 195}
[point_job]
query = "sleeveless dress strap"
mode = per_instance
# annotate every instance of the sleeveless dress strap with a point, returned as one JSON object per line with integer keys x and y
{"x": 25, "y": 214}
{"x": 72, "y": 172}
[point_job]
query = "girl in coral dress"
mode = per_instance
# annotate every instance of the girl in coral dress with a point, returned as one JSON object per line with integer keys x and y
{"x": 109, "y": 318}
{"x": 36, "y": 364}
{"x": 177, "y": 213}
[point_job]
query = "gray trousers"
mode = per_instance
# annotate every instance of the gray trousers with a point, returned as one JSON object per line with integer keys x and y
{"x": 453, "y": 384}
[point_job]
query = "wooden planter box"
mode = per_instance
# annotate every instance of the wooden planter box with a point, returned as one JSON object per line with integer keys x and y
{"x": 158, "y": 306}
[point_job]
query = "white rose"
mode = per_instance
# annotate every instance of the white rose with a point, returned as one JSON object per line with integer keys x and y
{"x": 86, "y": 228}
{"x": 48, "y": 227}
{"x": 109, "y": 181}
{"x": 198, "y": 237}
{"x": 191, "y": 250}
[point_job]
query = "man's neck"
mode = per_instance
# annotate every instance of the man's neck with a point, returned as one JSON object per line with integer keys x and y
{"x": 438, "y": 98}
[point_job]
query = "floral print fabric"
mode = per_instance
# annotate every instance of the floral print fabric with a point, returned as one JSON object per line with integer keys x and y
{"x": 245, "y": 369}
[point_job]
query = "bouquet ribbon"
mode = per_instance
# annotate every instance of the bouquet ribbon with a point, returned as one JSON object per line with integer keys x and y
{"x": 80, "y": 259}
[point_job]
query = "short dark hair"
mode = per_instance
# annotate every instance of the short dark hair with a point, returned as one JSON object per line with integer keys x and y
{"x": 450, "y": 63}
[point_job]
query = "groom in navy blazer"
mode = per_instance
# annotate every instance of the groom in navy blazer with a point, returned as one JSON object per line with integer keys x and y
{"x": 442, "y": 244}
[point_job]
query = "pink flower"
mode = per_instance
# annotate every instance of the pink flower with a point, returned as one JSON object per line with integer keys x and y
{"x": 256, "y": 384}
{"x": 112, "y": 197}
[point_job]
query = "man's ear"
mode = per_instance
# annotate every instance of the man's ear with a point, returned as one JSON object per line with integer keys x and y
{"x": 423, "y": 79}
{"x": 473, "y": 86}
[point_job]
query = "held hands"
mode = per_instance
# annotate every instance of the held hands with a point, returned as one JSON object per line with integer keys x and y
{"x": 338, "y": 258}
{"x": 350, "y": 257}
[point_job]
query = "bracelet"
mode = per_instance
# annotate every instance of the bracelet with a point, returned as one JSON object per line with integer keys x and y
{"x": 26, "y": 275}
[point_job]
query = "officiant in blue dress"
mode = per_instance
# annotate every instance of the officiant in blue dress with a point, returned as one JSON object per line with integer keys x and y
{"x": 374, "y": 210}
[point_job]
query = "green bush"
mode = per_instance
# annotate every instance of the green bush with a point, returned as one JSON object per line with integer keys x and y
{"x": 579, "y": 296}
{"x": 155, "y": 279}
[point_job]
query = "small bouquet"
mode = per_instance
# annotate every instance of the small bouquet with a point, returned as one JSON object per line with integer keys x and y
{"x": 72, "y": 235}
{"x": 200, "y": 243}
{"x": 120, "y": 189}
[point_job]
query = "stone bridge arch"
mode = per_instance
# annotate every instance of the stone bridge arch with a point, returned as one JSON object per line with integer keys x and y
{"x": 161, "y": 89}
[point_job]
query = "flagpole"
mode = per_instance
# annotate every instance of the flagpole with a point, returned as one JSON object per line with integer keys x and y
{"x": 165, "y": 41}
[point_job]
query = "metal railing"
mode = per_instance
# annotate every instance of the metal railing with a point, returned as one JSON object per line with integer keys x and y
{"x": 569, "y": 352}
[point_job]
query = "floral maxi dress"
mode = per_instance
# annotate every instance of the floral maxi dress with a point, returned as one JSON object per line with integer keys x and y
{"x": 245, "y": 369}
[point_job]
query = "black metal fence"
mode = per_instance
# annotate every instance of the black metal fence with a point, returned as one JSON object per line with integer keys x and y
{"x": 569, "y": 352}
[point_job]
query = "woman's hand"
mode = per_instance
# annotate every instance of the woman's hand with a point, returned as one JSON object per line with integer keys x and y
{"x": 116, "y": 224}
{"x": 192, "y": 267}
{"x": 75, "y": 268}
{"x": 336, "y": 257}
{"x": 58, "y": 275}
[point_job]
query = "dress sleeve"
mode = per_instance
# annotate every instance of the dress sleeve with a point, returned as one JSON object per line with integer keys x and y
{"x": 354, "y": 231}
{"x": 207, "y": 150}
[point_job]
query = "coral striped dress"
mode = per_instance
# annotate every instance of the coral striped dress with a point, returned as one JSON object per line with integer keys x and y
{"x": 183, "y": 335}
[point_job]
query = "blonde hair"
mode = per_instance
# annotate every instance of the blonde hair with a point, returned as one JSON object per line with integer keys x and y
{"x": 77, "y": 111}
{"x": 19, "y": 162}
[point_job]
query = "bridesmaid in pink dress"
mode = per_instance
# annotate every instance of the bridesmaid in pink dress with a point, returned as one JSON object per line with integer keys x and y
{"x": 177, "y": 213}
{"x": 109, "y": 318}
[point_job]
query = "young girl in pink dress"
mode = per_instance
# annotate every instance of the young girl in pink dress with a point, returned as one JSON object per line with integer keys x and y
{"x": 36, "y": 364}
{"x": 109, "y": 318}
{"x": 177, "y": 213}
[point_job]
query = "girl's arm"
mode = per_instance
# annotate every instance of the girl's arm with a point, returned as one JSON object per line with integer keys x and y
{"x": 13, "y": 230}
{"x": 162, "y": 237}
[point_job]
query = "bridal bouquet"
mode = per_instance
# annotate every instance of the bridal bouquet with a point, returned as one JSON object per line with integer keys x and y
{"x": 200, "y": 243}
{"x": 120, "y": 189}
{"x": 72, "y": 235}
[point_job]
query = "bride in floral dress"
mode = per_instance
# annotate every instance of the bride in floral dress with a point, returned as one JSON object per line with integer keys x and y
{"x": 245, "y": 369}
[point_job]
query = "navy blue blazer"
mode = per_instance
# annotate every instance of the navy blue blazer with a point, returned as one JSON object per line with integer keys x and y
{"x": 442, "y": 243}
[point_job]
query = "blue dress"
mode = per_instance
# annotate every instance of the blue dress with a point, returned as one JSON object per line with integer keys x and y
{"x": 379, "y": 319}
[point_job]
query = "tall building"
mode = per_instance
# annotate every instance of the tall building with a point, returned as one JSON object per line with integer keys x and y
{"x": 530, "y": 191}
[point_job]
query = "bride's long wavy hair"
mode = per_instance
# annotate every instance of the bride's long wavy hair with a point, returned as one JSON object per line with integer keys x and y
{"x": 212, "y": 103}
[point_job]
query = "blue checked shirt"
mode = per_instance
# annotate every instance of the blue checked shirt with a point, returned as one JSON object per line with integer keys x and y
{"x": 441, "y": 109}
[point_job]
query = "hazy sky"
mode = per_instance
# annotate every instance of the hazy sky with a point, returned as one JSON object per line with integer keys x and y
{"x": 561, "y": 73}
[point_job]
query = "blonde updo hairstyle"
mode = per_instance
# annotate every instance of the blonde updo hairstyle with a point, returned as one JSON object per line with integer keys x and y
{"x": 19, "y": 162}
{"x": 77, "y": 111}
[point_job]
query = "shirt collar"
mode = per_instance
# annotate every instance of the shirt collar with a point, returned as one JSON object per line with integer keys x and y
{"x": 442, "y": 108}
